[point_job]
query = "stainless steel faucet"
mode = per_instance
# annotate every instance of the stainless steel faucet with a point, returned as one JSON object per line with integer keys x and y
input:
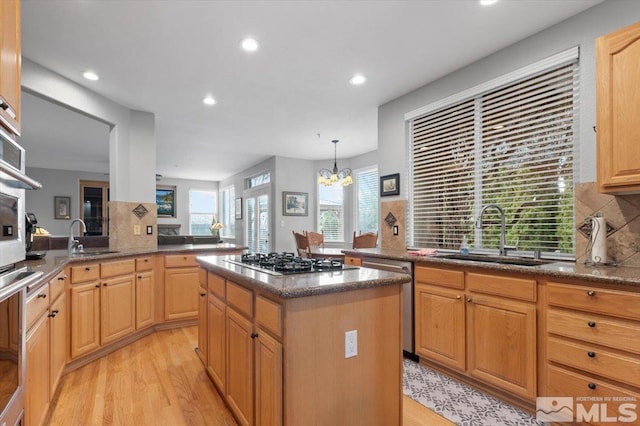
{"x": 502, "y": 251}
{"x": 73, "y": 243}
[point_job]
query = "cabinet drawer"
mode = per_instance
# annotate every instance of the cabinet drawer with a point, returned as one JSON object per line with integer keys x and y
{"x": 438, "y": 276}
{"x": 269, "y": 315}
{"x": 56, "y": 285}
{"x": 121, "y": 267}
{"x": 513, "y": 288}
{"x": 144, "y": 264}
{"x": 86, "y": 272}
{"x": 180, "y": 260}
{"x": 37, "y": 304}
{"x": 592, "y": 299}
{"x": 605, "y": 331}
{"x": 240, "y": 298}
{"x": 353, "y": 261}
{"x": 216, "y": 284}
{"x": 622, "y": 368}
{"x": 569, "y": 384}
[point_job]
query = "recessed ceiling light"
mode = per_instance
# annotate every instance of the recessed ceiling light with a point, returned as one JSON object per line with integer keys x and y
{"x": 250, "y": 44}
{"x": 488, "y": 2}
{"x": 208, "y": 100}
{"x": 358, "y": 79}
{"x": 90, "y": 75}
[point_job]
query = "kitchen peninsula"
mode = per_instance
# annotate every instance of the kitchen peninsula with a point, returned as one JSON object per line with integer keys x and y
{"x": 285, "y": 349}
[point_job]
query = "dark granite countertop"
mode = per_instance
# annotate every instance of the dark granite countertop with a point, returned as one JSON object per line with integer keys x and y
{"x": 570, "y": 270}
{"x": 55, "y": 260}
{"x": 301, "y": 285}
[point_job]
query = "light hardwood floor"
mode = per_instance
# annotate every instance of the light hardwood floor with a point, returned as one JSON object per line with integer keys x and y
{"x": 159, "y": 380}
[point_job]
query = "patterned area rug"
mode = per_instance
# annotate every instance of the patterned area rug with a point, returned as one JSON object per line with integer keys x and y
{"x": 458, "y": 402}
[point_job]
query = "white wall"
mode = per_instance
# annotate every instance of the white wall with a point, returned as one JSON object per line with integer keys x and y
{"x": 580, "y": 30}
{"x": 56, "y": 183}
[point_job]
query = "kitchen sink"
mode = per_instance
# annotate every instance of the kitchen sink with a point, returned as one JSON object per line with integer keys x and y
{"x": 92, "y": 253}
{"x": 489, "y": 258}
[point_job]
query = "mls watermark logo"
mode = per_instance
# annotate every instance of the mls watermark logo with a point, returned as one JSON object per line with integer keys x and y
{"x": 601, "y": 409}
{"x": 554, "y": 409}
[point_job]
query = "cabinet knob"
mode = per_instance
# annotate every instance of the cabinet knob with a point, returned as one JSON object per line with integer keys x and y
{"x": 97, "y": 285}
{"x": 87, "y": 268}
{"x": 591, "y": 293}
{"x": 591, "y": 385}
{"x": 140, "y": 276}
{"x": 469, "y": 299}
{"x": 42, "y": 296}
{"x": 146, "y": 260}
{"x": 52, "y": 314}
{"x": 458, "y": 297}
{"x": 591, "y": 354}
{"x": 254, "y": 335}
{"x": 591, "y": 324}
{"x": 203, "y": 294}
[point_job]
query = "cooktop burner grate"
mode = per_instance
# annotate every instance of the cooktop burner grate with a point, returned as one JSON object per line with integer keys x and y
{"x": 289, "y": 263}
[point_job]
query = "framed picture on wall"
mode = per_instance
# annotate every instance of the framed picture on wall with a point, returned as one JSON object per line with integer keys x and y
{"x": 390, "y": 185}
{"x": 295, "y": 204}
{"x": 166, "y": 201}
{"x": 238, "y": 208}
{"x": 62, "y": 207}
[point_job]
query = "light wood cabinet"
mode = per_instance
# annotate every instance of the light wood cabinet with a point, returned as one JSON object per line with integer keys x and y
{"x": 85, "y": 318}
{"x": 202, "y": 323}
{"x": 38, "y": 390}
{"x": 240, "y": 384}
{"x": 117, "y": 308}
{"x": 482, "y": 325}
{"x": 617, "y": 111}
{"x": 592, "y": 346}
{"x": 144, "y": 299}
{"x": 268, "y": 376}
{"x": 181, "y": 293}
{"x": 217, "y": 342}
{"x": 10, "y": 63}
{"x": 58, "y": 332}
{"x": 353, "y": 261}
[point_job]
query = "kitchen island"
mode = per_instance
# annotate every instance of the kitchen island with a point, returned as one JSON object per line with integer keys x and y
{"x": 317, "y": 348}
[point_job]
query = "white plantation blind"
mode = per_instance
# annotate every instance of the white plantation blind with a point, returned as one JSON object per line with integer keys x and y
{"x": 367, "y": 200}
{"x": 331, "y": 212}
{"x": 512, "y": 146}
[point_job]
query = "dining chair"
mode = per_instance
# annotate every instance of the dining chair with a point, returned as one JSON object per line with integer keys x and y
{"x": 302, "y": 244}
{"x": 366, "y": 240}
{"x": 315, "y": 239}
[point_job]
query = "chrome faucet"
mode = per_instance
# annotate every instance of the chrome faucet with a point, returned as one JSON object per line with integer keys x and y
{"x": 502, "y": 251}
{"x": 73, "y": 243}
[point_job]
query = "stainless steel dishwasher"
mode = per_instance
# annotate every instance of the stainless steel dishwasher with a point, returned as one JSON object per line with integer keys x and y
{"x": 408, "y": 347}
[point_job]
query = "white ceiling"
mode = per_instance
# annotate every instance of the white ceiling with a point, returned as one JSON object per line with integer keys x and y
{"x": 165, "y": 56}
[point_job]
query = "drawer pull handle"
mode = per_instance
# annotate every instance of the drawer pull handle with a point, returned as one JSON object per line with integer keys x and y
{"x": 254, "y": 335}
{"x": 62, "y": 278}
{"x": 203, "y": 294}
{"x": 591, "y": 293}
{"x": 591, "y": 385}
{"x": 42, "y": 296}
{"x": 469, "y": 300}
{"x": 87, "y": 269}
{"x": 591, "y": 354}
{"x": 97, "y": 285}
{"x": 52, "y": 314}
{"x": 591, "y": 324}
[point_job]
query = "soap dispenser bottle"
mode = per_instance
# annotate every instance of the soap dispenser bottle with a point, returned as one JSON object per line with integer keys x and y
{"x": 464, "y": 246}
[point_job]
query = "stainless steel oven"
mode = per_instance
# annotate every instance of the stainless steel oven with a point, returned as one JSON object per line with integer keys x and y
{"x": 13, "y": 182}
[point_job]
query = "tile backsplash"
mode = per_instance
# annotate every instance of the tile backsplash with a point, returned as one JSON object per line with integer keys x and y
{"x": 622, "y": 213}
{"x": 123, "y": 217}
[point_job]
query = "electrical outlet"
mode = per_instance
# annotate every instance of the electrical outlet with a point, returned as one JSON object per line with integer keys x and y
{"x": 149, "y": 229}
{"x": 350, "y": 343}
{"x": 136, "y": 229}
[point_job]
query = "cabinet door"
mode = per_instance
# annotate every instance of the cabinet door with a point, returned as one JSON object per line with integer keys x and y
{"x": 440, "y": 325}
{"x": 618, "y": 109}
{"x": 217, "y": 341}
{"x": 94, "y": 199}
{"x": 85, "y": 318}
{"x": 58, "y": 333}
{"x": 37, "y": 401}
{"x": 117, "y": 308}
{"x": 181, "y": 293}
{"x": 10, "y": 64}
{"x": 202, "y": 325}
{"x": 144, "y": 299}
{"x": 240, "y": 366}
{"x": 268, "y": 380}
{"x": 502, "y": 346}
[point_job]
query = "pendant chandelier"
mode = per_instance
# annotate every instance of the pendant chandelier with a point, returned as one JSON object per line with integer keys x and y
{"x": 329, "y": 177}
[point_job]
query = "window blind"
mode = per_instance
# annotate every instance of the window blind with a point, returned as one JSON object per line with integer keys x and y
{"x": 331, "y": 212}
{"x": 367, "y": 200}
{"x": 512, "y": 146}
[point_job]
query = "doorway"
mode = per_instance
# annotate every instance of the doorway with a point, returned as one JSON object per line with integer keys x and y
{"x": 258, "y": 223}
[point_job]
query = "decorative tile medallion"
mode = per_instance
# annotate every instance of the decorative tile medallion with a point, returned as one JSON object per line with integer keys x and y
{"x": 390, "y": 219}
{"x": 585, "y": 228}
{"x": 140, "y": 211}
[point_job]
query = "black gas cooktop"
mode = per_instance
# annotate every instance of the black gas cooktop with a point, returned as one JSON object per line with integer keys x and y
{"x": 289, "y": 263}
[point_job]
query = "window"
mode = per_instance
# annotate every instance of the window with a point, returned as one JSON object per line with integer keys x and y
{"x": 331, "y": 212}
{"x": 258, "y": 180}
{"x": 367, "y": 219}
{"x": 228, "y": 212}
{"x": 511, "y": 145}
{"x": 202, "y": 211}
